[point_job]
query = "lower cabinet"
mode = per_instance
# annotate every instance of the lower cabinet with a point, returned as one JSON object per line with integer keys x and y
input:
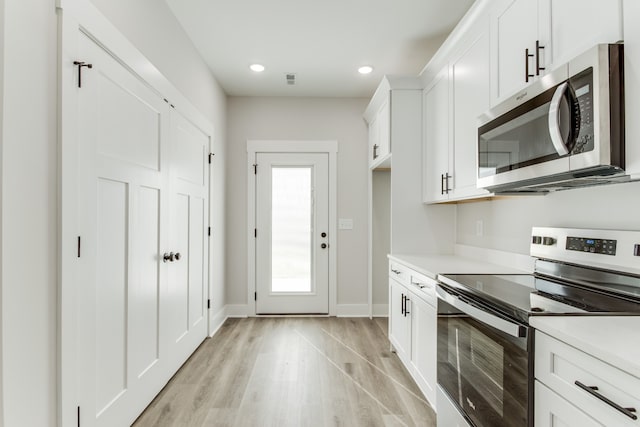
{"x": 553, "y": 411}
{"x": 412, "y": 326}
{"x": 575, "y": 389}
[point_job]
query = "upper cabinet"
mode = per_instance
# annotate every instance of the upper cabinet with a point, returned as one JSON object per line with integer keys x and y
{"x": 452, "y": 103}
{"x": 380, "y": 115}
{"x": 531, "y": 37}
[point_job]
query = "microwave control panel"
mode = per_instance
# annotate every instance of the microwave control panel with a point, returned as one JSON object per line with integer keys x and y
{"x": 597, "y": 246}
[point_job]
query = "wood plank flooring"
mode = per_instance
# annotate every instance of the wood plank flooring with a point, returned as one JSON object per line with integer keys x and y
{"x": 292, "y": 371}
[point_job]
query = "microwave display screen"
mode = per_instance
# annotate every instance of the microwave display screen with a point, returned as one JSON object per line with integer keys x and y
{"x": 582, "y": 91}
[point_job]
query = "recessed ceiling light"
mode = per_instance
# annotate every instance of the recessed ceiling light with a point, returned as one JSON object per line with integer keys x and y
{"x": 258, "y": 68}
{"x": 365, "y": 69}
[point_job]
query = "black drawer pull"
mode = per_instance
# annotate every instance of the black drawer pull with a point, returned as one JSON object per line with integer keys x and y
{"x": 629, "y": 412}
{"x": 395, "y": 271}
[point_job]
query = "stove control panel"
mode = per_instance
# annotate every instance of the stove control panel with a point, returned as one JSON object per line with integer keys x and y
{"x": 586, "y": 244}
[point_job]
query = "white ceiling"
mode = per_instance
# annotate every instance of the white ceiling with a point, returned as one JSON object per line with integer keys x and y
{"x": 322, "y": 41}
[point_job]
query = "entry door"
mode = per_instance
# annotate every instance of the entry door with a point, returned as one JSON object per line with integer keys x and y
{"x": 292, "y": 226}
{"x": 140, "y": 192}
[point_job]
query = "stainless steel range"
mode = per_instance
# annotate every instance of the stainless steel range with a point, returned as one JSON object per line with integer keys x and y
{"x": 485, "y": 344}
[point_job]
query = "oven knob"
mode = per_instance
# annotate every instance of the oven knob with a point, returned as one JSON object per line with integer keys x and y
{"x": 536, "y": 240}
{"x": 548, "y": 241}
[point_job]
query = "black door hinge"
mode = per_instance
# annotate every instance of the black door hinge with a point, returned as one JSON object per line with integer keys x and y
{"x": 255, "y": 169}
{"x": 78, "y": 246}
{"x": 255, "y": 296}
{"x": 209, "y": 231}
{"x": 208, "y": 303}
{"x": 78, "y": 416}
{"x": 211, "y": 157}
{"x": 81, "y": 64}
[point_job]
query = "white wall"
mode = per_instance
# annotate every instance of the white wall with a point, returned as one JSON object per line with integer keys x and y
{"x": 29, "y": 197}
{"x": 507, "y": 222}
{"x": 301, "y": 119}
{"x": 381, "y": 235}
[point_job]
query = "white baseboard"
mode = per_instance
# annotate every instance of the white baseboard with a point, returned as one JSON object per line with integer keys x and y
{"x": 352, "y": 310}
{"x": 380, "y": 310}
{"x": 217, "y": 320}
{"x": 236, "y": 310}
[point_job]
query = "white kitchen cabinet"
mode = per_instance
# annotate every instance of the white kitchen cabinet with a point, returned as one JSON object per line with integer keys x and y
{"x": 531, "y": 37}
{"x": 632, "y": 85}
{"x": 399, "y": 320}
{"x": 469, "y": 74}
{"x": 583, "y": 381}
{"x": 412, "y": 325}
{"x": 452, "y": 104}
{"x": 380, "y": 116}
{"x": 553, "y": 411}
{"x": 436, "y": 139}
{"x": 423, "y": 344}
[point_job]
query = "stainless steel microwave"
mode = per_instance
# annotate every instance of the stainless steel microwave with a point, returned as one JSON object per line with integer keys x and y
{"x": 565, "y": 130}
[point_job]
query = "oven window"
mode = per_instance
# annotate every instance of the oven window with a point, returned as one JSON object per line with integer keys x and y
{"x": 483, "y": 371}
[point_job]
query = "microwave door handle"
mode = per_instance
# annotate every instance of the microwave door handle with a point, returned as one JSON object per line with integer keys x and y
{"x": 510, "y": 328}
{"x": 554, "y": 120}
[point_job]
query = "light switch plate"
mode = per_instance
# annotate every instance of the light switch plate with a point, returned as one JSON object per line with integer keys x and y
{"x": 345, "y": 224}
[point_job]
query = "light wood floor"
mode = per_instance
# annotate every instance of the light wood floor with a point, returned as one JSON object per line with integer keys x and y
{"x": 292, "y": 372}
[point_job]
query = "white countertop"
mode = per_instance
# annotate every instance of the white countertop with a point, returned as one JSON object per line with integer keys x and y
{"x": 613, "y": 339}
{"x": 432, "y": 265}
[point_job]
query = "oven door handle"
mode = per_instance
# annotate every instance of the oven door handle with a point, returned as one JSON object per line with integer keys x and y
{"x": 506, "y": 326}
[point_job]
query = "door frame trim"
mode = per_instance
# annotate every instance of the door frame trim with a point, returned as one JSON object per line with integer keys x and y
{"x": 291, "y": 146}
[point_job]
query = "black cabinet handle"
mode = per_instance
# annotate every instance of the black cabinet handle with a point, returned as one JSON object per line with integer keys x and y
{"x": 402, "y": 305}
{"x": 395, "y": 271}
{"x": 527, "y": 55}
{"x": 406, "y": 300}
{"x": 441, "y": 183}
{"x": 446, "y": 182}
{"x": 375, "y": 151}
{"x": 538, "y": 49}
{"x": 592, "y": 390}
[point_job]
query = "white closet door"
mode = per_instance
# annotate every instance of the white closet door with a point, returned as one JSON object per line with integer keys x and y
{"x": 189, "y": 216}
{"x": 123, "y": 130}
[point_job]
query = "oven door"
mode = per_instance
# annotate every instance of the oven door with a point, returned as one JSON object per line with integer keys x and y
{"x": 483, "y": 363}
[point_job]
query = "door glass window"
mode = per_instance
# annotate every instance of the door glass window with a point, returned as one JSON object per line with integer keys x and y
{"x": 291, "y": 229}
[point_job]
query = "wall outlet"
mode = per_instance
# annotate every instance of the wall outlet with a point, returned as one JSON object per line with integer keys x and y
{"x": 479, "y": 228}
{"x": 345, "y": 224}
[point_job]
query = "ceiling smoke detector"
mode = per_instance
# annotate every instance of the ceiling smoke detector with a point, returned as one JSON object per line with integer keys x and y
{"x": 291, "y": 79}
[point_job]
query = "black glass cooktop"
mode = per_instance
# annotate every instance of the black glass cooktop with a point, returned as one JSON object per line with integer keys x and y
{"x": 522, "y": 295}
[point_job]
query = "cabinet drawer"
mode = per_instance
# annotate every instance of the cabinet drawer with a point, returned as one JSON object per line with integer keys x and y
{"x": 570, "y": 372}
{"x": 553, "y": 411}
{"x": 424, "y": 287}
{"x": 400, "y": 273}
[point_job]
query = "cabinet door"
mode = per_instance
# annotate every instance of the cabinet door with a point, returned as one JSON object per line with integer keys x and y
{"x": 399, "y": 323}
{"x": 552, "y": 410}
{"x": 436, "y": 138}
{"x": 577, "y": 25}
{"x": 373, "y": 141}
{"x": 384, "y": 129}
{"x": 515, "y": 28}
{"x": 423, "y": 346}
{"x": 470, "y": 87}
{"x": 632, "y": 84}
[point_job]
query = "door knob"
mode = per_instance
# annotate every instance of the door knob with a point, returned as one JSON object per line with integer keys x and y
{"x": 323, "y": 234}
{"x": 323, "y": 246}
